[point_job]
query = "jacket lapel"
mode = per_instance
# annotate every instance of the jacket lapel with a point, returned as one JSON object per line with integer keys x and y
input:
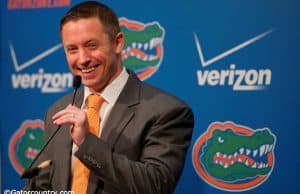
{"x": 119, "y": 117}
{"x": 123, "y": 111}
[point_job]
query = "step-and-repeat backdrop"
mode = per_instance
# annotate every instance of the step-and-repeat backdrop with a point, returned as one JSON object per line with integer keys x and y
{"x": 236, "y": 63}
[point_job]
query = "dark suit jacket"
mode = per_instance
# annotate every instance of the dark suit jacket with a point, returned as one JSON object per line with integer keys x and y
{"x": 141, "y": 150}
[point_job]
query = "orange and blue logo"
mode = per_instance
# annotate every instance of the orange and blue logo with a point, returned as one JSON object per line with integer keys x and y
{"x": 143, "y": 48}
{"x": 25, "y": 144}
{"x": 233, "y": 157}
{"x": 25, "y": 4}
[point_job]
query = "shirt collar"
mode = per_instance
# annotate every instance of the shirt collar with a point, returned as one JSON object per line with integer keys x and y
{"x": 113, "y": 90}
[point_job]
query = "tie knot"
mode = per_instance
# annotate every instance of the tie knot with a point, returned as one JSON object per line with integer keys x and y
{"x": 94, "y": 101}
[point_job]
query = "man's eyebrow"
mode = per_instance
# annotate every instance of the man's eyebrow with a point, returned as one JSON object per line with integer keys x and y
{"x": 69, "y": 45}
{"x": 91, "y": 40}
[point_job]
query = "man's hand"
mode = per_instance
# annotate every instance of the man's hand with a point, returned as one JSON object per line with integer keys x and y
{"x": 77, "y": 120}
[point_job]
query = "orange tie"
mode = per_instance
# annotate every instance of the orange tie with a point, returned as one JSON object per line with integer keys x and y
{"x": 81, "y": 172}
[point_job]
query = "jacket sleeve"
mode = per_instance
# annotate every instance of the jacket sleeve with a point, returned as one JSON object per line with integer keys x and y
{"x": 160, "y": 163}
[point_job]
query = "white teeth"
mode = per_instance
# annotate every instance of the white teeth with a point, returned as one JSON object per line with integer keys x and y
{"x": 145, "y": 58}
{"x": 140, "y": 45}
{"x": 226, "y": 165}
{"x": 31, "y": 153}
{"x": 133, "y": 45}
{"x": 246, "y": 163}
{"x": 255, "y": 152}
{"x": 152, "y": 57}
{"x": 125, "y": 57}
{"x": 235, "y": 154}
{"x": 267, "y": 149}
{"x": 241, "y": 150}
{"x": 225, "y": 156}
{"x": 217, "y": 161}
{"x": 154, "y": 42}
{"x": 157, "y": 41}
{"x": 221, "y": 163}
{"x": 146, "y": 46}
{"x": 248, "y": 152}
{"x": 270, "y": 147}
{"x": 218, "y": 154}
{"x": 151, "y": 43}
{"x": 262, "y": 150}
{"x": 87, "y": 70}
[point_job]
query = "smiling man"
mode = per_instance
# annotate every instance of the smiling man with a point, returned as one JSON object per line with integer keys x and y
{"x": 122, "y": 135}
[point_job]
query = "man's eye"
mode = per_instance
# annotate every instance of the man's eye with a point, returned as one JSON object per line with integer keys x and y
{"x": 71, "y": 50}
{"x": 92, "y": 46}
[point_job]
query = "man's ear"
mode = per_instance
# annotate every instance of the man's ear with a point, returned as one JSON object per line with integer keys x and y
{"x": 119, "y": 42}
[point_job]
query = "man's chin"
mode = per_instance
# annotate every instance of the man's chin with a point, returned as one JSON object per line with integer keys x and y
{"x": 93, "y": 86}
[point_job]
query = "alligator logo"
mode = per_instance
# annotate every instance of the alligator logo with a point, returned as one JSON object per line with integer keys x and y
{"x": 143, "y": 48}
{"x": 232, "y": 157}
{"x": 25, "y": 144}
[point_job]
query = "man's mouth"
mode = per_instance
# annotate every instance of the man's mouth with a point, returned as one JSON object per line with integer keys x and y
{"x": 88, "y": 69}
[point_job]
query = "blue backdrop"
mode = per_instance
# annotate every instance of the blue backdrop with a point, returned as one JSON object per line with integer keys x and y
{"x": 234, "y": 62}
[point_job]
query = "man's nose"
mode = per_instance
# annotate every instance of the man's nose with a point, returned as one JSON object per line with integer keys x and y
{"x": 84, "y": 57}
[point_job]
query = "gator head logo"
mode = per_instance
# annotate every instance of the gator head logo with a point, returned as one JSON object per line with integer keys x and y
{"x": 233, "y": 157}
{"x": 25, "y": 144}
{"x": 143, "y": 49}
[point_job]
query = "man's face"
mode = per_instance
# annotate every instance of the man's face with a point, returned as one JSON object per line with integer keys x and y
{"x": 91, "y": 53}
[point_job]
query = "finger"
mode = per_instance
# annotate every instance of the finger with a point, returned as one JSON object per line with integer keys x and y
{"x": 59, "y": 114}
{"x": 65, "y": 119}
{"x": 67, "y": 110}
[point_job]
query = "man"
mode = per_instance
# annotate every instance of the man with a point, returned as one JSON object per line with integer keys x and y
{"x": 143, "y": 133}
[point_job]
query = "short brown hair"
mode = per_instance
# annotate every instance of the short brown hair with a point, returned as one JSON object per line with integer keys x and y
{"x": 90, "y": 9}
